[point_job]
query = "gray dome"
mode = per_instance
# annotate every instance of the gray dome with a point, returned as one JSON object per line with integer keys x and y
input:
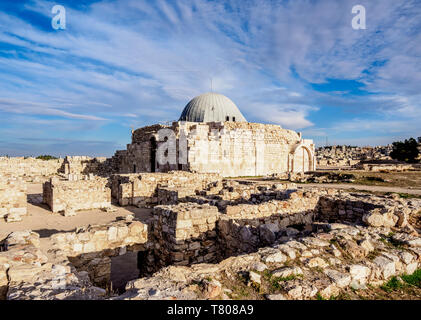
{"x": 211, "y": 107}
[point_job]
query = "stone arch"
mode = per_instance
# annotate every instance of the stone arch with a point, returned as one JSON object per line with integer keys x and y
{"x": 302, "y": 159}
{"x": 153, "y": 147}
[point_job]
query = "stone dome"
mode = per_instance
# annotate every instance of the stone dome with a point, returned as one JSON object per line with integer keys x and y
{"x": 211, "y": 107}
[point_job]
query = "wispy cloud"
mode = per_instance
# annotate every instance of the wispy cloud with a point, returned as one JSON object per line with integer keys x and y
{"x": 133, "y": 62}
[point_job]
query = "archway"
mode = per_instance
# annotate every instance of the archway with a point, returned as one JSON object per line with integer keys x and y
{"x": 302, "y": 160}
{"x": 153, "y": 154}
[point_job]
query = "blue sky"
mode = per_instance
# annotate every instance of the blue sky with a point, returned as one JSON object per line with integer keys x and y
{"x": 130, "y": 63}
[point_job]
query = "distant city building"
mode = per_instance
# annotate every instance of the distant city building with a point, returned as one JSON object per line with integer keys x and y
{"x": 350, "y": 155}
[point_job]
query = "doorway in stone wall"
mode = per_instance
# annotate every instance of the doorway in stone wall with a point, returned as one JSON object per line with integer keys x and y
{"x": 153, "y": 154}
{"x": 124, "y": 268}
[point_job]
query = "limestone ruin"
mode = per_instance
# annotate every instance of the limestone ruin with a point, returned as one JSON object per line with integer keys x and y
{"x": 183, "y": 229}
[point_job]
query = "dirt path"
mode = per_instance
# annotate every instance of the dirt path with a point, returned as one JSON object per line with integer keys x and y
{"x": 361, "y": 187}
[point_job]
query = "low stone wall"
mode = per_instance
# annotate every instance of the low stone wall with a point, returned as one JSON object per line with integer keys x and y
{"x": 141, "y": 189}
{"x": 245, "y": 190}
{"x": 37, "y": 170}
{"x": 70, "y": 196}
{"x": 247, "y": 227}
{"x": 30, "y": 169}
{"x": 184, "y": 234}
{"x": 100, "y": 166}
{"x": 376, "y": 211}
{"x": 13, "y": 199}
{"x": 384, "y": 167}
{"x": 173, "y": 195}
{"x": 90, "y": 248}
{"x": 234, "y": 193}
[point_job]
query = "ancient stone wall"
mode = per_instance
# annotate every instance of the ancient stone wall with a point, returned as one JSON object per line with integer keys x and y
{"x": 184, "y": 234}
{"x": 70, "y": 196}
{"x": 246, "y": 227}
{"x": 228, "y": 148}
{"x": 91, "y": 248}
{"x": 13, "y": 199}
{"x": 37, "y": 170}
{"x": 376, "y": 211}
{"x": 87, "y": 165}
{"x": 384, "y": 167}
{"x": 30, "y": 169}
{"x": 141, "y": 189}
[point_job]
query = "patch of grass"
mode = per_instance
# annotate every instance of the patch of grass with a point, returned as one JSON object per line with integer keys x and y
{"x": 409, "y": 196}
{"x": 393, "y": 284}
{"x": 319, "y": 296}
{"x": 341, "y": 296}
{"x": 275, "y": 282}
{"x": 392, "y": 179}
{"x": 373, "y": 254}
{"x": 239, "y": 292}
{"x": 413, "y": 279}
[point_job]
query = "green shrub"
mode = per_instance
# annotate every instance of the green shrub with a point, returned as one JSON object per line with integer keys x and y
{"x": 392, "y": 284}
{"x": 413, "y": 279}
{"x": 46, "y": 157}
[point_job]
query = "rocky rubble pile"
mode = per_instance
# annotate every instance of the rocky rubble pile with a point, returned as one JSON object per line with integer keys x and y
{"x": 26, "y": 273}
{"x": 322, "y": 263}
{"x": 315, "y": 177}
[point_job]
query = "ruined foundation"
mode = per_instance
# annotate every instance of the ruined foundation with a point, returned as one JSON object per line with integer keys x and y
{"x": 319, "y": 241}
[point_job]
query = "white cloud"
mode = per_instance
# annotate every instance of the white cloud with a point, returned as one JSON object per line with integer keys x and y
{"x": 143, "y": 61}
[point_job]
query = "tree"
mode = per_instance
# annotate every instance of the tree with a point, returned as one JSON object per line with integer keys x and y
{"x": 405, "y": 151}
{"x": 419, "y": 139}
{"x": 46, "y": 157}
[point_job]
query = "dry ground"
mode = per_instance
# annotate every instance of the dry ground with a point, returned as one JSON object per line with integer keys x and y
{"x": 405, "y": 183}
{"x": 409, "y": 179}
{"x": 41, "y": 220}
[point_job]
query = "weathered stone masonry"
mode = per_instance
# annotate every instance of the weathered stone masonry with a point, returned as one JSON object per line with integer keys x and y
{"x": 91, "y": 248}
{"x": 69, "y": 196}
{"x": 228, "y": 148}
{"x": 13, "y": 199}
{"x": 142, "y": 189}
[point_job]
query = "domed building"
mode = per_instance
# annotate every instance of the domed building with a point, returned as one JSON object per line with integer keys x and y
{"x": 213, "y": 136}
{"x": 211, "y": 107}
